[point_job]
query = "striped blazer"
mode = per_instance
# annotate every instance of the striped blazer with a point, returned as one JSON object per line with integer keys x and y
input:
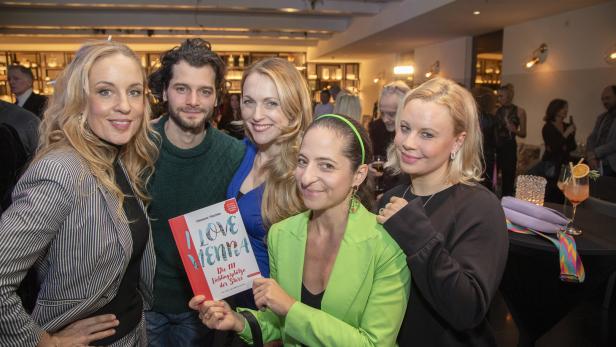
{"x": 66, "y": 225}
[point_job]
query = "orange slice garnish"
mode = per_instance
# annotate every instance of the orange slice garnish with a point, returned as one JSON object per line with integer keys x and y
{"x": 580, "y": 170}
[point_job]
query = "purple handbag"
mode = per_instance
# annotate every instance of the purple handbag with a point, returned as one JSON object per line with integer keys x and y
{"x": 531, "y": 216}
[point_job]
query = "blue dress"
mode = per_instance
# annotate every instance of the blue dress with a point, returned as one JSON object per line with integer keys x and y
{"x": 250, "y": 208}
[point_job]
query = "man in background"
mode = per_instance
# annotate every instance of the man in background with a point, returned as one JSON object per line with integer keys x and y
{"x": 21, "y": 80}
{"x": 601, "y": 144}
{"x": 325, "y": 107}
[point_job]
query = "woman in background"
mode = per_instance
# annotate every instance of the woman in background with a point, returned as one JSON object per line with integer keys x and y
{"x": 231, "y": 120}
{"x": 559, "y": 140}
{"x": 451, "y": 228}
{"x": 78, "y": 211}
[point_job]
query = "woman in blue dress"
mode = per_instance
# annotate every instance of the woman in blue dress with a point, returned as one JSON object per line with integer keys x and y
{"x": 276, "y": 109}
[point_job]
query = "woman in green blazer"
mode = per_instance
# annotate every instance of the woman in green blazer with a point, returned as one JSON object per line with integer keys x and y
{"x": 337, "y": 278}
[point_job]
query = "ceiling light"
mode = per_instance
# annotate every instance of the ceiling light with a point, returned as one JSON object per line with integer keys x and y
{"x": 289, "y": 10}
{"x": 476, "y": 13}
{"x": 404, "y": 70}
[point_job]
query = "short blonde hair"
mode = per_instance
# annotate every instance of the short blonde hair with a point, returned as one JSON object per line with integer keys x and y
{"x": 281, "y": 196}
{"x": 466, "y": 167}
{"x": 348, "y": 105}
{"x": 65, "y": 124}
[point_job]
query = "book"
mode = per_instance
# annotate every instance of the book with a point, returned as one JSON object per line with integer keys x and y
{"x": 215, "y": 250}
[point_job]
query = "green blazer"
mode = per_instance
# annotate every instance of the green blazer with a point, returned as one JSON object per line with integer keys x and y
{"x": 365, "y": 298}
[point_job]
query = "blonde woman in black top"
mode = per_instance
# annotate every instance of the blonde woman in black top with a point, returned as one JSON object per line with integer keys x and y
{"x": 451, "y": 228}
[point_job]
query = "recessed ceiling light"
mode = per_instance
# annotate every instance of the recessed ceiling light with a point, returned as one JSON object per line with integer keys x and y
{"x": 289, "y": 10}
{"x": 476, "y": 13}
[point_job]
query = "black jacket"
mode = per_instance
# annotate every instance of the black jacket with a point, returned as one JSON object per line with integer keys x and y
{"x": 36, "y": 104}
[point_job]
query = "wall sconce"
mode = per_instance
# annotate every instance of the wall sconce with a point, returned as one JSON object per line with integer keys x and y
{"x": 434, "y": 69}
{"x": 539, "y": 56}
{"x": 379, "y": 77}
{"x": 610, "y": 56}
{"x": 404, "y": 70}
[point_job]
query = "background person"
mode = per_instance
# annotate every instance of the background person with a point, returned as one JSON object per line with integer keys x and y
{"x": 601, "y": 144}
{"x": 337, "y": 279}
{"x": 21, "y": 81}
{"x": 348, "y": 105}
{"x": 559, "y": 140}
{"x": 382, "y": 131}
{"x": 486, "y": 106}
{"x": 510, "y": 123}
{"x": 231, "y": 121}
{"x": 83, "y": 198}
{"x": 451, "y": 228}
{"x": 325, "y": 106}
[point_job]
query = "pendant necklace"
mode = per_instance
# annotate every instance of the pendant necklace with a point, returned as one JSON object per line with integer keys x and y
{"x": 425, "y": 203}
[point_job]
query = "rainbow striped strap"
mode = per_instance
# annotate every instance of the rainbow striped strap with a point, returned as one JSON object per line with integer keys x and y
{"x": 571, "y": 267}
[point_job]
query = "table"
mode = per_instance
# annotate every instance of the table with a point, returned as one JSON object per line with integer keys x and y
{"x": 531, "y": 287}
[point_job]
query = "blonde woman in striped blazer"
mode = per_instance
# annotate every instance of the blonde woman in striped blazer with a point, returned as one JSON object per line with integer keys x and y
{"x": 78, "y": 213}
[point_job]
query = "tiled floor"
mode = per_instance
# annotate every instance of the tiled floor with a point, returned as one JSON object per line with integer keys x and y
{"x": 582, "y": 327}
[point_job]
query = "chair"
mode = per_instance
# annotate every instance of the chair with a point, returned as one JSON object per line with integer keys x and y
{"x": 609, "y": 209}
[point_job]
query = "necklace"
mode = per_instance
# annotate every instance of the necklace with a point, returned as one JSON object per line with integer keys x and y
{"x": 425, "y": 203}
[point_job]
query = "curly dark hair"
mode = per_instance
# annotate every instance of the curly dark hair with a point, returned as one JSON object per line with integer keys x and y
{"x": 197, "y": 53}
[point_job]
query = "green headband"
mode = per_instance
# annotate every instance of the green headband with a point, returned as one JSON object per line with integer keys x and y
{"x": 361, "y": 143}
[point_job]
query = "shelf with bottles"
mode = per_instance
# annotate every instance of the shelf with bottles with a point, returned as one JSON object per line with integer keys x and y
{"x": 488, "y": 72}
{"x": 327, "y": 75}
{"x": 237, "y": 62}
{"x": 46, "y": 66}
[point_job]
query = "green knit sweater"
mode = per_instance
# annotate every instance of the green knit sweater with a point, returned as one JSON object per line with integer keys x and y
{"x": 185, "y": 180}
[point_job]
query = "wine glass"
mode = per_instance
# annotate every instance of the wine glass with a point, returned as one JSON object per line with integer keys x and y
{"x": 378, "y": 163}
{"x": 576, "y": 190}
{"x": 563, "y": 177}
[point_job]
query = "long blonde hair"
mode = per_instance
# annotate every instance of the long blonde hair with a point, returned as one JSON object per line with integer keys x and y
{"x": 65, "y": 124}
{"x": 281, "y": 196}
{"x": 466, "y": 167}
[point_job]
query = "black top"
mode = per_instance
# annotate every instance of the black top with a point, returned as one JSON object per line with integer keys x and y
{"x": 36, "y": 104}
{"x": 312, "y": 300}
{"x": 456, "y": 248}
{"x": 488, "y": 130}
{"x": 557, "y": 147}
{"x": 504, "y": 115}
{"x": 128, "y": 303}
{"x": 380, "y": 137}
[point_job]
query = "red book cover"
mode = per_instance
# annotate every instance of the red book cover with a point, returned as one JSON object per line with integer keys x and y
{"x": 215, "y": 250}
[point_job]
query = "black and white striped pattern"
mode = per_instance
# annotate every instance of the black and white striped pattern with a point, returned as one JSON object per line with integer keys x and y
{"x": 66, "y": 225}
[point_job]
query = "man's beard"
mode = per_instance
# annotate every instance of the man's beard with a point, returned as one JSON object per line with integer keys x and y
{"x": 190, "y": 126}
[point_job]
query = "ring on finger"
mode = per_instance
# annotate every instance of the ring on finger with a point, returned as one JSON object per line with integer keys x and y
{"x": 381, "y": 210}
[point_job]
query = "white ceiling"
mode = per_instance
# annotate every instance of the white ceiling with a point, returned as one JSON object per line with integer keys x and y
{"x": 325, "y": 28}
